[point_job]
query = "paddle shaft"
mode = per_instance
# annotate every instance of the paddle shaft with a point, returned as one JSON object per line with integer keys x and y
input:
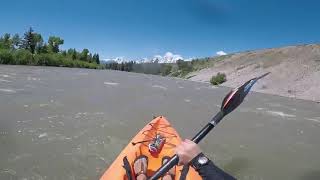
{"x": 197, "y": 138}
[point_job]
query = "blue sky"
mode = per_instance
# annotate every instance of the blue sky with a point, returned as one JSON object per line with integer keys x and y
{"x": 143, "y": 28}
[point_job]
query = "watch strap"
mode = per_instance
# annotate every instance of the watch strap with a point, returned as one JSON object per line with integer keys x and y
{"x": 195, "y": 163}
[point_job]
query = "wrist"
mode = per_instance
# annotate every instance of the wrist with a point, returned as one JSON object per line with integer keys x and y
{"x": 199, "y": 161}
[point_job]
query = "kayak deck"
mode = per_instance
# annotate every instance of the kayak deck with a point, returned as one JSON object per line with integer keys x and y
{"x": 158, "y": 125}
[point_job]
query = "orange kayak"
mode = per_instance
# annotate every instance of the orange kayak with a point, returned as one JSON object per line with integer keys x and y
{"x": 160, "y": 126}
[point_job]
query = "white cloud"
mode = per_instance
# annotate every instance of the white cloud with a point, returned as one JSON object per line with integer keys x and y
{"x": 221, "y": 53}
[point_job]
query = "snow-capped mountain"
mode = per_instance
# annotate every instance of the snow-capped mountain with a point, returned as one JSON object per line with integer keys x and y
{"x": 117, "y": 60}
{"x": 168, "y": 57}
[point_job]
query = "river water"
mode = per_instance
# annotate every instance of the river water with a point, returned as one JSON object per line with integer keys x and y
{"x": 61, "y": 123}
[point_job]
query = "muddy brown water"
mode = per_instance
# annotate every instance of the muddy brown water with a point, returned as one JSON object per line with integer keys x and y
{"x": 61, "y": 123}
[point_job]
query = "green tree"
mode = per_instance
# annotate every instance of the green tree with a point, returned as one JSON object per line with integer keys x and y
{"x": 69, "y": 52}
{"x": 32, "y": 50}
{"x": 16, "y": 41}
{"x": 184, "y": 67}
{"x": 64, "y": 53}
{"x": 6, "y": 57}
{"x": 122, "y": 66}
{"x": 39, "y": 43}
{"x": 84, "y": 55}
{"x": 96, "y": 58}
{"x": 29, "y": 41}
{"x": 90, "y": 59}
{"x": 23, "y": 57}
{"x": 182, "y": 64}
{"x": 5, "y": 41}
{"x": 72, "y": 53}
{"x": 112, "y": 65}
{"x": 54, "y": 42}
{"x": 166, "y": 69}
{"x": 44, "y": 49}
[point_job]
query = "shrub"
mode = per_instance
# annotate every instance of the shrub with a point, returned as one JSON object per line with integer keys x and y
{"x": 218, "y": 79}
{"x": 184, "y": 73}
{"x": 24, "y": 57}
{"x": 6, "y": 57}
{"x": 184, "y": 66}
{"x": 165, "y": 69}
{"x": 45, "y": 59}
{"x": 176, "y": 73}
{"x": 68, "y": 63}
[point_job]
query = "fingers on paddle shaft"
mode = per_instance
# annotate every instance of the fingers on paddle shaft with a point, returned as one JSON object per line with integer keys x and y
{"x": 186, "y": 151}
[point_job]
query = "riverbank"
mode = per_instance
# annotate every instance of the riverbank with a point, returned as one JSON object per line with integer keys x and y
{"x": 295, "y": 71}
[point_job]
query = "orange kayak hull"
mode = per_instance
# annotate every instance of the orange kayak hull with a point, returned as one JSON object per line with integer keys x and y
{"x": 159, "y": 125}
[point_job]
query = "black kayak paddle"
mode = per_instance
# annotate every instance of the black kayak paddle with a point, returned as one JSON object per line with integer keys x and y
{"x": 232, "y": 100}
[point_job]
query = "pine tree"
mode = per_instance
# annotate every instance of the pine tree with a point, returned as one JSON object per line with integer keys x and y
{"x": 74, "y": 54}
{"x": 39, "y": 43}
{"x": 29, "y": 41}
{"x": 96, "y": 58}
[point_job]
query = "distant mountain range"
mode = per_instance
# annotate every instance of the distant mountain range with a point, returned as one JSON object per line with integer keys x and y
{"x": 166, "y": 58}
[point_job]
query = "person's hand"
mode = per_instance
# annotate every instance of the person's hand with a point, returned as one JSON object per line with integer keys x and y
{"x": 186, "y": 151}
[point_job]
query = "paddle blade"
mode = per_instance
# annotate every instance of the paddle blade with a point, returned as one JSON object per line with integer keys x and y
{"x": 237, "y": 95}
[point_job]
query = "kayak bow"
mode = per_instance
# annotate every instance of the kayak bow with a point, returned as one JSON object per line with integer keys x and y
{"x": 139, "y": 146}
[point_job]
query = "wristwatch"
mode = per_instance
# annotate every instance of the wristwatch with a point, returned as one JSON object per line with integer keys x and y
{"x": 199, "y": 161}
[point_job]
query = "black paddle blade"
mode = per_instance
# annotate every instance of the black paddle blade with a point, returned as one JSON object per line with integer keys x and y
{"x": 237, "y": 95}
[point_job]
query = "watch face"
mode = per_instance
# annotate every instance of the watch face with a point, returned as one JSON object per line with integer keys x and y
{"x": 203, "y": 160}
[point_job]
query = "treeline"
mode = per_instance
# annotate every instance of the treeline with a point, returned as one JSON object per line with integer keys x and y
{"x": 155, "y": 68}
{"x": 31, "y": 49}
{"x": 132, "y": 66}
{"x": 124, "y": 66}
